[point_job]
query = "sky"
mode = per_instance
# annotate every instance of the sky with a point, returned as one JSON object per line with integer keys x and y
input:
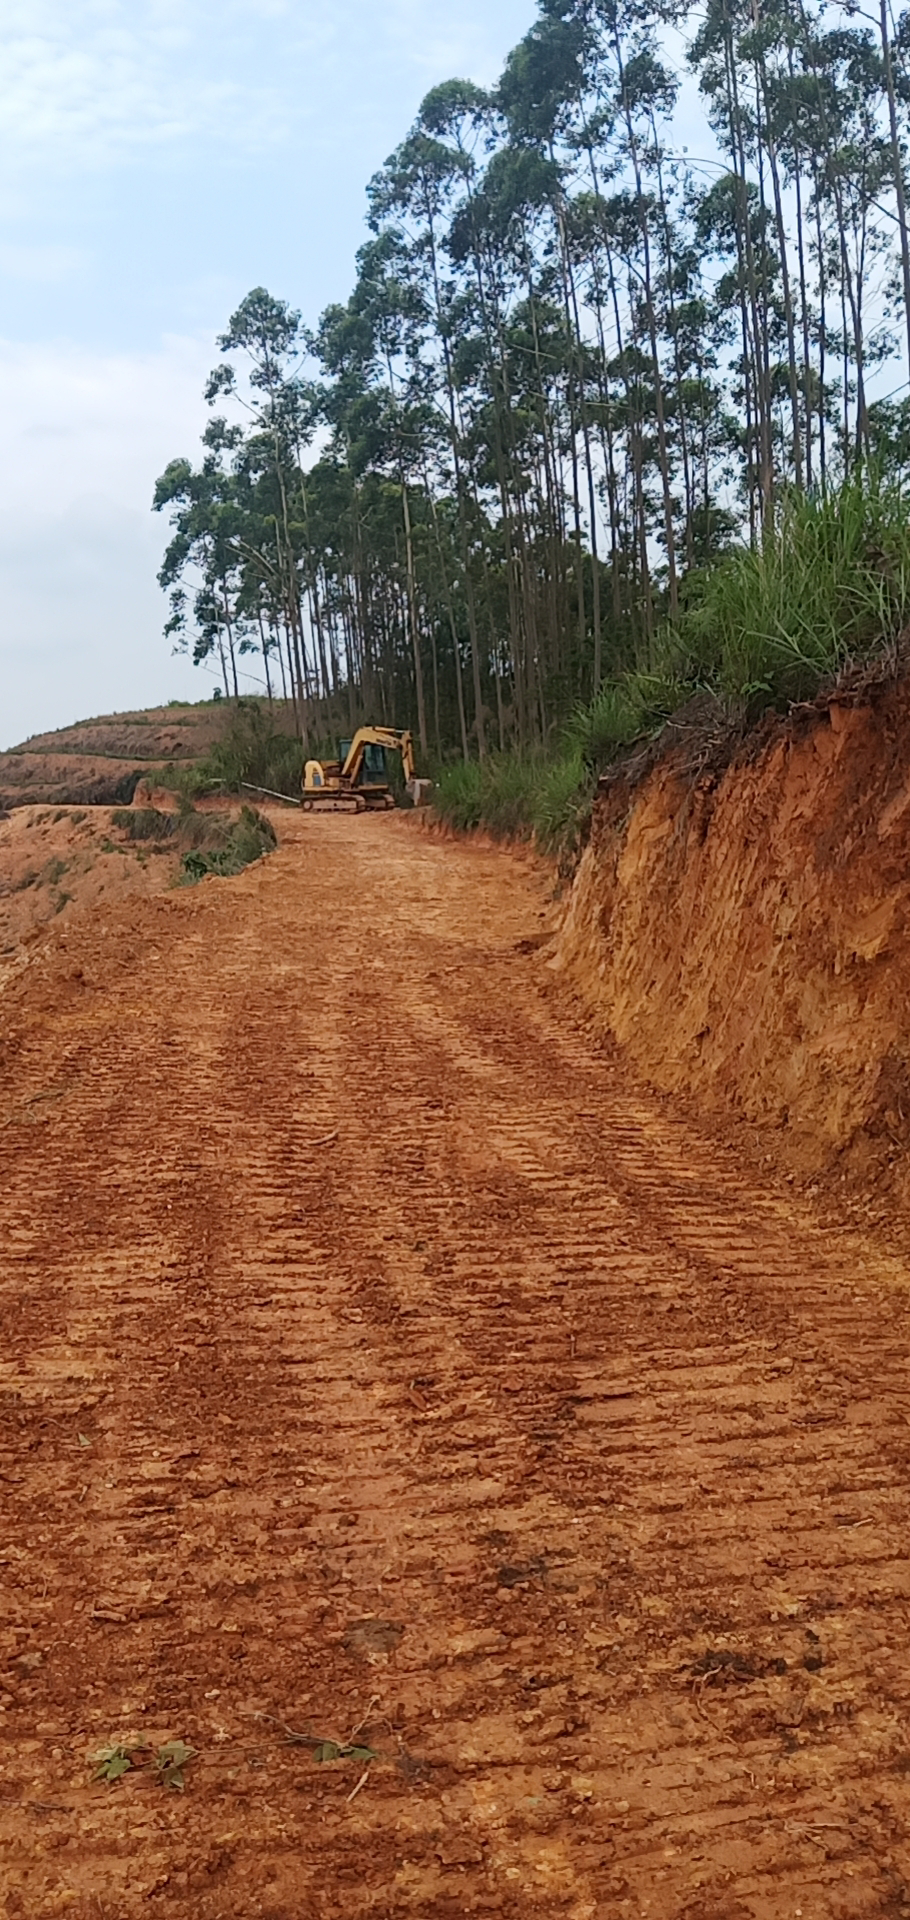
{"x": 158, "y": 158}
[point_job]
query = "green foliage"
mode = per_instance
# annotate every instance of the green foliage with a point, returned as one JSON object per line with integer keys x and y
{"x": 250, "y": 749}
{"x": 459, "y": 795}
{"x": 144, "y": 823}
{"x": 170, "y": 1761}
{"x": 831, "y": 587}
{"x": 224, "y": 846}
{"x": 515, "y": 796}
{"x": 111, "y": 1763}
{"x": 624, "y": 711}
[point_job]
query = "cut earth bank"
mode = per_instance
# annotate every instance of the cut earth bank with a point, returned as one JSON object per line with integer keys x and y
{"x": 745, "y": 934}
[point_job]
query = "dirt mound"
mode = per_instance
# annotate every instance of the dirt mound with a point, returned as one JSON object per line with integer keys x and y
{"x": 747, "y": 938}
{"x": 57, "y": 861}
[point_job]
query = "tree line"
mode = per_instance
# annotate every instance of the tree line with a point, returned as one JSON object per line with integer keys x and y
{"x": 575, "y": 368}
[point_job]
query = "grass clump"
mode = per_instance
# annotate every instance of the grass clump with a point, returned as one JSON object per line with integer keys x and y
{"x": 516, "y": 796}
{"x": 829, "y": 589}
{"x": 144, "y": 823}
{"x": 224, "y": 846}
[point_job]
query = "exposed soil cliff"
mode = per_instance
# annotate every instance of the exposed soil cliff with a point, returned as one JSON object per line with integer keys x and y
{"x": 747, "y": 938}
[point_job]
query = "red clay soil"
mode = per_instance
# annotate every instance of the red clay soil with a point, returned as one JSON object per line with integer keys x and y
{"x": 380, "y": 1366}
{"x": 57, "y": 862}
{"x": 746, "y": 939}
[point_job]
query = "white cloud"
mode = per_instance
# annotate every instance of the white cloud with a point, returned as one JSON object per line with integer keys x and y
{"x": 99, "y": 78}
{"x": 86, "y": 435}
{"x": 120, "y": 125}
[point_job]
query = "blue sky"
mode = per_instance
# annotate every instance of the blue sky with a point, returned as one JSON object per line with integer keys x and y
{"x": 157, "y": 159}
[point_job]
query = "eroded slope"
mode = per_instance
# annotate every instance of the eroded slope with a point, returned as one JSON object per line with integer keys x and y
{"x": 747, "y": 938}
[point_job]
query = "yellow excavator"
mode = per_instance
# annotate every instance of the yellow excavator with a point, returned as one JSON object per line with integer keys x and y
{"x": 358, "y": 779}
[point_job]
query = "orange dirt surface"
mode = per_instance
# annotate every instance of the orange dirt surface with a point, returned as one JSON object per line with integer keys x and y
{"x": 381, "y": 1365}
{"x": 55, "y": 861}
{"x": 747, "y": 938}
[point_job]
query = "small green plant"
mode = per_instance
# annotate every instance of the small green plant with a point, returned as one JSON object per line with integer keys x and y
{"x": 55, "y": 870}
{"x": 61, "y": 900}
{"x": 112, "y": 1762}
{"x": 170, "y": 1761}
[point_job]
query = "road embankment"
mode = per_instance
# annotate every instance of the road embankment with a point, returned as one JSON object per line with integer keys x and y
{"x": 745, "y": 935}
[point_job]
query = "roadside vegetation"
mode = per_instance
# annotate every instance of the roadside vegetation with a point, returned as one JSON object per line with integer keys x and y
{"x": 769, "y": 625}
{"x": 254, "y": 749}
{"x": 208, "y": 842}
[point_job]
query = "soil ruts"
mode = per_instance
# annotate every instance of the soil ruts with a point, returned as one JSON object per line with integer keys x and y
{"x": 505, "y": 1498}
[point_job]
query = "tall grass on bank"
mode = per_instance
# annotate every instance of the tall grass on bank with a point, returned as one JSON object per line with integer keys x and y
{"x": 515, "y": 796}
{"x": 831, "y": 587}
{"x": 765, "y": 627}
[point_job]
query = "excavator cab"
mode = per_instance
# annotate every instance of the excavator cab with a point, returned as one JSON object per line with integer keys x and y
{"x": 373, "y": 770}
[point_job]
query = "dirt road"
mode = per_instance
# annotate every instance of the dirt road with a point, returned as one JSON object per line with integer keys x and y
{"x": 379, "y": 1368}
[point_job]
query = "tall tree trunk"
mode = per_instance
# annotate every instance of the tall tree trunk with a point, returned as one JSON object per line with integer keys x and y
{"x": 412, "y": 616}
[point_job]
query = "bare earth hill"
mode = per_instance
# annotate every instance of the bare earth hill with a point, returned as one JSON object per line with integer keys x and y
{"x": 101, "y": 761}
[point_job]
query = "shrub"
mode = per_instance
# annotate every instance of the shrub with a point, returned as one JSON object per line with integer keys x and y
{"x": 624, "y": 711}
{"x": 250, "y": 749}
{"x": 516, "y": 796}
{"x": 223, "y": 846}
{"x": 458, "y": 796}
{"x": 144, "y": 823}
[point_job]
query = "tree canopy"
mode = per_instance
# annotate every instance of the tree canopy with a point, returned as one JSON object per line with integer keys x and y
{"x": 575, "y": 366}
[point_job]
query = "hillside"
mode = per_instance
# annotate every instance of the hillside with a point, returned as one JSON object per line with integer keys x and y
{"x": 99, "y": 762}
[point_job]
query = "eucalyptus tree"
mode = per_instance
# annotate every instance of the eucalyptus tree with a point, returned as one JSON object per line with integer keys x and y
{"x": 565, "y": 377}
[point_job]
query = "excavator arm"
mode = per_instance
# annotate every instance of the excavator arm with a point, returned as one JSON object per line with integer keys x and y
{"x": 393, "y": 739}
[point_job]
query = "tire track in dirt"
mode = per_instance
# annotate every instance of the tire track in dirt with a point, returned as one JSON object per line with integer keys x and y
{"x": 375, "y": 1358}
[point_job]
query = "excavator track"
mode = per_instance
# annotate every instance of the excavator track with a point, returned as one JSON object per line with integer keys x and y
{"x": 333, "y": 803}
